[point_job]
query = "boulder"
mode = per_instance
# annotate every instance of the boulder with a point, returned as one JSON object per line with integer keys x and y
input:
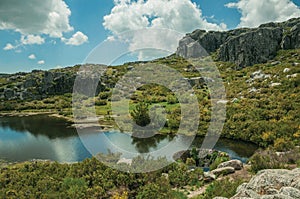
{"x": 286, "y": 70}
{"x": 271, "y": 184}
{"x": 290, "y": 191}
{"x": 236, "y": 164}
{"x": 223, "y": 171}
{"x": 208, "y": 176}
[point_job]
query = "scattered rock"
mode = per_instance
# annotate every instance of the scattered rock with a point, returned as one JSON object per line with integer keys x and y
{"x": 125, "y": 161}
{"x": 275, "y": 84}
{"x": 223, "y": 171}
{"x": 286, "y": 70}
{"x": 236, "y": 164}
{"x": 253, "y": 90}
{"x": 209, "y": 177}
{"x": 235, "y": 100}
{"x": 294, "y": 75}
{"x": 275, "y": 63}
{"x": 222, "y": 102}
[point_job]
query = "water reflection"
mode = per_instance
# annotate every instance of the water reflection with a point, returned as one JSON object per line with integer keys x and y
{"x": 39, "y": 125}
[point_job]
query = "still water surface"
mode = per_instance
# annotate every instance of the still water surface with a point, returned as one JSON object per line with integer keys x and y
{"x": 43, "y": 137}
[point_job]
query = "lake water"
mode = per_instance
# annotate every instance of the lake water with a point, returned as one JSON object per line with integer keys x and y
{"x": 44, "y": 137}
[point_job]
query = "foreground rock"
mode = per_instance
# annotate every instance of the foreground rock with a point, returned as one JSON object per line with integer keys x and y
{"x": 271, "y": 184}
{"x": 244, "y": 47}
{"x": 223, "y": 171}
{"x": 236, "y": 164}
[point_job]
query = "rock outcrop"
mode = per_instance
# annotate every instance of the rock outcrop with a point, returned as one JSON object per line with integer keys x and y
{"x": 42, "y": 84}
{"x": 244, "y": 47}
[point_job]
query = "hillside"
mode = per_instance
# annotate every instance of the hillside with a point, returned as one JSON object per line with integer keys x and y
{"x": 263, "y": 100}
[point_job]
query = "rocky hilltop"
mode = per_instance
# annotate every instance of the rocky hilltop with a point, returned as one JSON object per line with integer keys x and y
{"x": 40, "y": 84}
{"x": 245, "y": 46}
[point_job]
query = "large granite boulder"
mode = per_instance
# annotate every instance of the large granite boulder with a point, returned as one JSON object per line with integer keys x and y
{"x": 271, "y": 184}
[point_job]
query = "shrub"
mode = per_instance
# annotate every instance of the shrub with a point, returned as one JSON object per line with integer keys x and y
{"x": 282, "y": 145}
{"x": 218, "y": 161}
{"x": 267, "y": 159}
{"x": 223, "y": 188}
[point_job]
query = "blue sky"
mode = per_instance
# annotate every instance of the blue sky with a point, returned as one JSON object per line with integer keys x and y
{"x": 78, "y": 26}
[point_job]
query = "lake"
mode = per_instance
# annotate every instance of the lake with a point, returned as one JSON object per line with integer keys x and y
{"x": 44, "y": 137}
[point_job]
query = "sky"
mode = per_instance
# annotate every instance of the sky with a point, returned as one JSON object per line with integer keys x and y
{"x": 58, "y": 33}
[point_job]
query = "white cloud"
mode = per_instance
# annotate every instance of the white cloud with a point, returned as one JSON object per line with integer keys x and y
{"x": 256, "y": 12}
{"x": 32, "y": 39}
{"x": 77, "y": 39}
{"x": 32, "y": 56}
{"x": 50, "y": 17}
{"x": 41, "y": 62}
{"x": 179, "y": 15}
{"x": 9, "y": 46}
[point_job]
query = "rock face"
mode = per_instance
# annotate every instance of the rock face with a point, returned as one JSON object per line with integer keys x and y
{"x": 255, "y": 46}
{"x": 41, "y": 84}
{"x": 244, "y": 47}
{"x": 271, "y": 184}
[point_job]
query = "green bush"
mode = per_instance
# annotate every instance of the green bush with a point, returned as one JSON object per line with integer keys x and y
{"x": 266, "y": 159}
{"x": 218, "y": 161}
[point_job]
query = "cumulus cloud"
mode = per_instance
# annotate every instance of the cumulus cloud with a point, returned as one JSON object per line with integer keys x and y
{"x": 179, "y": 15}
{"x": 77, "y": 39}
{"x": 49, "y": 17}
{"x": 9, "y": 46}
{"x": 41, "y": 62}
{"x": 32, "y": 39}
{"x": 32, "y": 56}
{"x": 34, "y": 18}
{"x": 256, "y": 12}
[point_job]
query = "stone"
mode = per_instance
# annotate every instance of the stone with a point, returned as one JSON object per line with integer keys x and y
{"x": 275, "y": 84}
{"x": 235, "y": 100}
{"x": 257, "y": 75}
{"x": 275, "y": 63}
{"x": 253, "y": 90}
{"x": 223, "y": 171}
{"x": 208, "y": 176}
{"x": 222, "y": 102}
{"x": 286, "y": 70}
{"x": 125, "y": 161}
{"x": 236, "y": 164}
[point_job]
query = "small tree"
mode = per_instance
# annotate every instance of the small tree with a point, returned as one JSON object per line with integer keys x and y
{"x": 141, "y": 114}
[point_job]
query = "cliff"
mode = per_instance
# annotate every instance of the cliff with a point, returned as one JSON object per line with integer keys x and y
{"x": 245, "y": 46}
